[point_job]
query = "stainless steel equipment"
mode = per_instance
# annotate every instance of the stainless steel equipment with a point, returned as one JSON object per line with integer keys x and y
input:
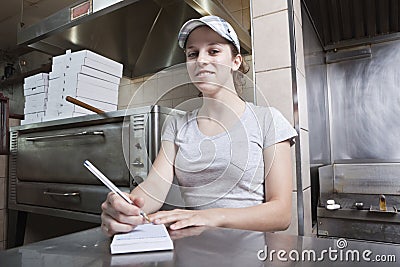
{"x": 352, "y": 92}
{"x": 46, "y": 169}
{"x": 352, "y": 184}
{"x": 126, "y": 31}
{"x": 208, "y": 248}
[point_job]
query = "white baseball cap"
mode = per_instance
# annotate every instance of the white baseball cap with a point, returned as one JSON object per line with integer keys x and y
{"x": 217, "y": 24}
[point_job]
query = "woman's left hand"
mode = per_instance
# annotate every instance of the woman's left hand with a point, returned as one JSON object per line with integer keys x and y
{"x": 178, "y": 218}
{"x": 187, "y": 232}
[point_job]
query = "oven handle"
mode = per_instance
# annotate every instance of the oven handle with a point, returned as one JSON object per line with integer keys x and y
{"x": 38, "y": 138}
{"x": 73, "y": 194}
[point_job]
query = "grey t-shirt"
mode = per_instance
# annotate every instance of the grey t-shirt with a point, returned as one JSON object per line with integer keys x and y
{"x": 225, "y": 170}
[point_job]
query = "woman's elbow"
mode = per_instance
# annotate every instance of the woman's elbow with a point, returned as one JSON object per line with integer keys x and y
{"x": 285, "y": 219}
{"x": 285, "y": 222}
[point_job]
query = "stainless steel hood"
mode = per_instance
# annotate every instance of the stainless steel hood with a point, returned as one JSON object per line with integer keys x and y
{"x": 343, "y": 23}
{"x": 142, "y": 35}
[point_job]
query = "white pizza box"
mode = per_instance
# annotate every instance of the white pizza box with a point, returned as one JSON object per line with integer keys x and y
{"x": 35, "y": 103}
{"x": 60, "y": 104}
{"x": 95, "y": 61}
{"x": 36, "y": 98}
{"x": 54, "y": 75}
{"x": 37, "y": 83}
{"x": 112, "y": 70}
{"x": 56, "y": 85}
{"x": 57, "y": 109}
{"x": 58, "y": 69}
{"x": 51, "y": 115}
{"x": 31, "y": 80}
{"x": 42, "y": 82}
{"x": 36, "y": 90}
{"x": 64, "y": 115}
{"x": 81, "y": 69}
{"x": 61, "y": 115}
{"x": 33, "y": 118}
{"x": 87, "y": 90}
{"x": 71, "y": 80}
{"x": 61, "y": 59}
{"x": 59, "y": 89}
{"x": 33, "y": 109}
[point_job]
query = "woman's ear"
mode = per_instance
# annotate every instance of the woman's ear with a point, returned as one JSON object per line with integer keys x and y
{"x": 237, "y": 61}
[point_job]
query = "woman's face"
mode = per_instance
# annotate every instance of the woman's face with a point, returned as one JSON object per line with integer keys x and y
{"x": 209, "y": 61}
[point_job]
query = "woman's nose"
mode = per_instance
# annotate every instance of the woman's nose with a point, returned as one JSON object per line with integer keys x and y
{"x": 202, "y": 58}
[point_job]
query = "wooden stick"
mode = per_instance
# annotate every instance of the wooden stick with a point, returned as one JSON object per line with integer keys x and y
{"x": 83, "y": 105}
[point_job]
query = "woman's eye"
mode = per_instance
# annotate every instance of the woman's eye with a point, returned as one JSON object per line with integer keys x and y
{"x": 191, "y": 54}
{"x": 214, "y": 51}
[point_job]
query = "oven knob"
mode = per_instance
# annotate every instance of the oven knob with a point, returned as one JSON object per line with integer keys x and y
{"x": 138, "y": 146}
{"x": 137, "y": 180}
{"x": 137, "y": 163}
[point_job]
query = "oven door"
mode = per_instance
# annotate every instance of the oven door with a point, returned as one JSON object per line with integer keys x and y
{"x": 57, "y": 156}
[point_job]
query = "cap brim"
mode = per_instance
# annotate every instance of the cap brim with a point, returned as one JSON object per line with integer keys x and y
{"x": 186, "y": 29}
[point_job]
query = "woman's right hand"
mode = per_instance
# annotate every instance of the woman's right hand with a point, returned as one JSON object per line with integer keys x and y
{"x": 118, "y": 216}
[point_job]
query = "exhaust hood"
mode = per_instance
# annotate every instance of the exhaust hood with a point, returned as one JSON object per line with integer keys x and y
{"x": 142, "y": 35}
{"x": 341, "y": 24}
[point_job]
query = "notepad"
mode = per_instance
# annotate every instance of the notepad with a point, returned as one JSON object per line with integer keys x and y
{"x": 145, "y": 237}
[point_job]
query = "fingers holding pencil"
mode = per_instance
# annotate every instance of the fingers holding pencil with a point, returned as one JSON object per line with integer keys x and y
{"x": 121, "y": 211}
{"x": 119, "y": 216}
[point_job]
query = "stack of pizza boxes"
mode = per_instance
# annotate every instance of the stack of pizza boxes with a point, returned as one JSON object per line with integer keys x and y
{"x": 86, "y": 76}
{"x": 83, "y": 75}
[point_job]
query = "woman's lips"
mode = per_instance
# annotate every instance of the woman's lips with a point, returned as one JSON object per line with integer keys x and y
{"x": 204, "y": 73}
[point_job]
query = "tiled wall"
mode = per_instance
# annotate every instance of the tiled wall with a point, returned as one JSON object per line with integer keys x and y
{"x": 3, "y": 183}
{"x": 168, "y": 88}
{"x": 303, "y": 118}
{"x": 240, "y": 10}
{"x": 3, "y": 192}
{"x": 273, "y": 76}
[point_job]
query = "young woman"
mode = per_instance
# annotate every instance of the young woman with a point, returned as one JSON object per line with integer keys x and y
{"x": 231, "y": 158}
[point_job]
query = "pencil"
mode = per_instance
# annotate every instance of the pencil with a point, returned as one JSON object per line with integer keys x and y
{"x": 111, "y": 186}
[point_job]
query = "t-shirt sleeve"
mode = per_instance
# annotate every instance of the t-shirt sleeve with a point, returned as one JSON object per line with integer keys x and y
{"x": 278, "y": 129}
{"x": 169, "y": 129}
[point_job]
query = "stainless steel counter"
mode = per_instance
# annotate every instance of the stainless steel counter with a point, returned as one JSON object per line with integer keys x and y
{"x": 204, "y": 247}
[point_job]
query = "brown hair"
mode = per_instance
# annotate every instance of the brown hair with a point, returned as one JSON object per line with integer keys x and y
{"x": 238, "y": 76}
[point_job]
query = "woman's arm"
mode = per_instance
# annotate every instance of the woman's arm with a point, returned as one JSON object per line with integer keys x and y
{"x": 274, "y": 215}
{"x": 119, "y": 216}
{"x": 155, "y": 188}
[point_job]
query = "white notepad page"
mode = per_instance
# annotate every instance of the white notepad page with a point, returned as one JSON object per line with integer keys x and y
{"x": 145, "y": 237}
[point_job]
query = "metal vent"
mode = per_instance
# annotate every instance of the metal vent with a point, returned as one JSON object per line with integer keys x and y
{"x": 138, "y": 122}
{"x": 341, "y": 21}
{"x": 13, "y": 168}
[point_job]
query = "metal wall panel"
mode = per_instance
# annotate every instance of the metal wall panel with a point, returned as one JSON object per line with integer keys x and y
{"x": 365, "y": 105}
{"x": 317, "y": 98}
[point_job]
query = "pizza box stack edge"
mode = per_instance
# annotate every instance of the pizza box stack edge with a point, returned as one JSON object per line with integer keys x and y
{"x": 86, "y": 76}
{"x": 36, "y": 95}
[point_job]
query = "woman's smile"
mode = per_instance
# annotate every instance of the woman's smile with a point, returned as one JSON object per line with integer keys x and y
{"x": 204, "y": 73}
